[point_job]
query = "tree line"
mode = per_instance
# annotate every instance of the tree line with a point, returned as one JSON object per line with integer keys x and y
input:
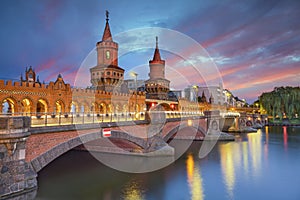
{"x": 281, "y": 102}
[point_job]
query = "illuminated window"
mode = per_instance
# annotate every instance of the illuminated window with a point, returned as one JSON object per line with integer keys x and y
{"x": 107, "y": 54}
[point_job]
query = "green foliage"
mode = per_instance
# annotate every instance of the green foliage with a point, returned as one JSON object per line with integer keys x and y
{"x": 282, "y": 100}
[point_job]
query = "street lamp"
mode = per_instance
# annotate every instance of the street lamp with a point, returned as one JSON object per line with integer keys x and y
{"x": 135, "y": 75}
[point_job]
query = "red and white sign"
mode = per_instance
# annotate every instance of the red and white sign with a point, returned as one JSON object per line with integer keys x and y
{"x": 106, "y": 132}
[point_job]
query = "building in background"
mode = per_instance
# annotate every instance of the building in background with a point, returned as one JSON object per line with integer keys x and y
{"x": 214, "y": 94}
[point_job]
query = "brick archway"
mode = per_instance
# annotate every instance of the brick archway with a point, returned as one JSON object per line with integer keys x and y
{"x": 46, "y": 151}
{"x": 199, "y": 132}
{"x": 12, "y": 104}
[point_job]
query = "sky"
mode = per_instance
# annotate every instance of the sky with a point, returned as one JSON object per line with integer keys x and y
{"x": 253, "y": 44}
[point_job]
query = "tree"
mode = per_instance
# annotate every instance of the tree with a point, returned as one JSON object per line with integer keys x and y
{"x": 282, "y": 100}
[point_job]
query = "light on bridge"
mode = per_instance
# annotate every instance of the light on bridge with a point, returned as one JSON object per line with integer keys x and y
{"x": 190, "y": 122}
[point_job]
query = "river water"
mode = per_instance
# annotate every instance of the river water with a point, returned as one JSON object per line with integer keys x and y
{"x": 262, "y": 165}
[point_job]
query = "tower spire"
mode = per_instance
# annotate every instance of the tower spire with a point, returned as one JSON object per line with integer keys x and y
{"x": 107, "y": 34}
{"x": 107, "y": 15}
{"x": 156, "y": 56}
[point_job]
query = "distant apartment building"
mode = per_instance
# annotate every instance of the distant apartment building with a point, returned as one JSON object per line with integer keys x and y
{"x": 132, "y": 85}
{"x": 213, "y": 94}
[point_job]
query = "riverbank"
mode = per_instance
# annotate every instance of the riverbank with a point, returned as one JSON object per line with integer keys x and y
{"x": 284, "y": 122}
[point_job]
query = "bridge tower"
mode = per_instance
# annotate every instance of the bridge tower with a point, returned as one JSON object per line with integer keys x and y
{"x": 17, "y": 176}
{"x": 157, "y": 86}
{"x": 107, "y": 75}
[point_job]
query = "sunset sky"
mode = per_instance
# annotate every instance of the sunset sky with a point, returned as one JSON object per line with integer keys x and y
{"x": 255, "y": 44}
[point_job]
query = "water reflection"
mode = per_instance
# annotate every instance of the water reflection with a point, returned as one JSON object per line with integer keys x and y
{"x": 244, "y": 156}
{"x": 254, "y": 140}
{"x": 194, "y": 179}
{"x": 228, "y": 167}
{"x": 285, "y": 137}
{"x": 266, "y": 146}
{"x": 133, "y": 191}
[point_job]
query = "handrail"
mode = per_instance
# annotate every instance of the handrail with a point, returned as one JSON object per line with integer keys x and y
{"x": 39, "y": 119}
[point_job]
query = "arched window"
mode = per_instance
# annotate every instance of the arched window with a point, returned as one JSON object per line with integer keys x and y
{"x": 107, "y": 54}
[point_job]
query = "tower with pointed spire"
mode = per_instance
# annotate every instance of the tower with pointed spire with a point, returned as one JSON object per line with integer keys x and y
{"x": 107, "y": 75}
{"x": 157, "y": 86}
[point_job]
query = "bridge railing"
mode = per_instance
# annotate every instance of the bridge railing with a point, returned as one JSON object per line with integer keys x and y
{"x": 54, "y": 119}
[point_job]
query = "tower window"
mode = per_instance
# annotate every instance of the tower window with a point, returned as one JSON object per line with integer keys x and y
{"x": 107, "y": 54}
{"x": 107, "y": 73}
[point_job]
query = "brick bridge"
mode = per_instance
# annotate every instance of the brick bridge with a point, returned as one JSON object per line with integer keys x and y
{"x": 25, "y": 150}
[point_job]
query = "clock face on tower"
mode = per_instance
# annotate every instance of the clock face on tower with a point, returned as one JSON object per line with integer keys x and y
{"x": 107, "y": 54}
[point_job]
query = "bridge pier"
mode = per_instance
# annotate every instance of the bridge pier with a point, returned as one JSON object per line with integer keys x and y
{"x": 155, "y": 142}
{"x": 213, "y": 122}
{"x": 17, "y": 176}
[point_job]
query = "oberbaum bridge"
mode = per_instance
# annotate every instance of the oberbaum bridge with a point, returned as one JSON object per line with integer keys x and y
{"x": 40, "y": 122}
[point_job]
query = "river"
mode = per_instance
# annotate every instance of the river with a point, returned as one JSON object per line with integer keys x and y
{"x": 262, "y": 165}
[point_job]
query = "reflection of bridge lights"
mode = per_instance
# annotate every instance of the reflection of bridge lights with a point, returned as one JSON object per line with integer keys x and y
{"x": 194, "y": 179}
{"x": 254, "y": 140}
{"x": 190, "y": 168}
{"x": 228, "y": 167}
{"x": 190, "y": 122}
{"x": 133, "y": 191}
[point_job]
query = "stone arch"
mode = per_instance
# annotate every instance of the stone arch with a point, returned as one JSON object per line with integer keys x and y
{"x": 102, "y": 108}
{"x": 175, "y": 130}
{"x": 74, "y": 107}
{"x": 42, "y": 106}
{"x": 56, "y": 151}
{"x": 118, "y": 108}
{"x": 59, "y": 106}
{"x": 143, "y": 107}
{"x": 125, "y": 108}
{"x": 84, "y": 107}
{"x": 93, "y": 107}
{"x": 110, "y": 108}
{"x": 137, "y": 108}
{"x": 27, "y": 106}
{"x": 249, "y": 123}
{"x": 131, "y": 107}
{"x": 9, "y": 105}
{"x": 46, "y": 157}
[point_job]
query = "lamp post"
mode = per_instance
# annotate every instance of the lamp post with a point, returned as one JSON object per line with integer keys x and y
{"x": 135, "y": 75}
